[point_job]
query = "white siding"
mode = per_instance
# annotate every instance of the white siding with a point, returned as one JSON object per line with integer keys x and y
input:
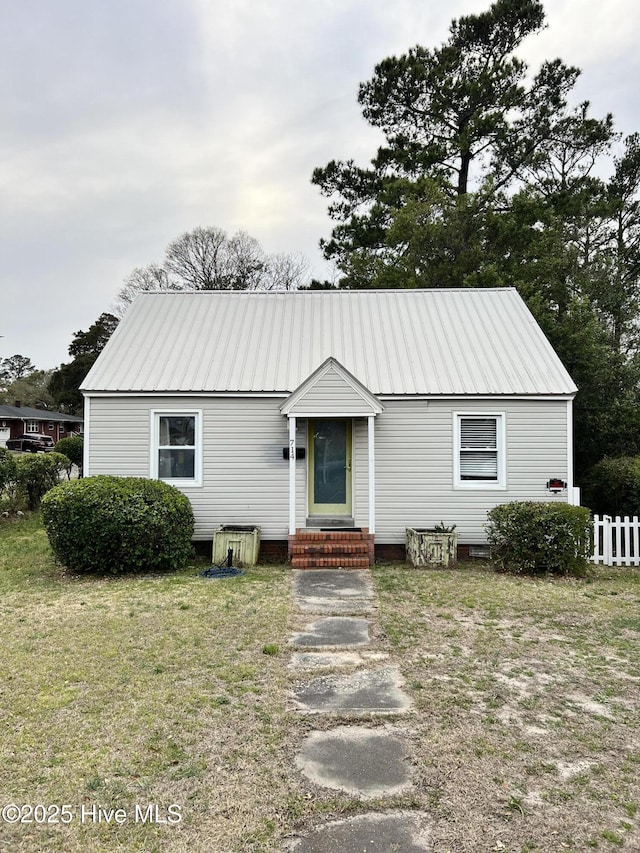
{"x": 119, "y": 432}
{"x": 245, "y": 478}
{"x": 414, "y": 464}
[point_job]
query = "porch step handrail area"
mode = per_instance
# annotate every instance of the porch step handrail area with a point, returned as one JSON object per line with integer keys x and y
{"x": 616, "y": 541}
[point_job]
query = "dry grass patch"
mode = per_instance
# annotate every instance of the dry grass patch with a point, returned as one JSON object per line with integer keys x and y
{"x": 527, "y": 692}
{"x": 142, "y": 690}
{"x": 173, "y": 689}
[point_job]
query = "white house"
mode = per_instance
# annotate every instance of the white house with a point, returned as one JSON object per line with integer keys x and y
{"x": 377, "y": 410}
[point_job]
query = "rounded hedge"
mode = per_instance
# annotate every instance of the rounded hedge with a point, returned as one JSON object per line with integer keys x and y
{"x": 612, "y": 486}
{"x": 118, "y": 524}
{"x": 527, "y": 537}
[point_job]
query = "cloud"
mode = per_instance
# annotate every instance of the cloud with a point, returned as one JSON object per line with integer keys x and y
{"x": 128, "y": 122}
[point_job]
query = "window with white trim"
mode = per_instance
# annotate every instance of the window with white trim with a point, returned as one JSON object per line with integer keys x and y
{"x": 479, "y": 451}
{"x": 33, "y": 426}
{"x": 177, "y": 447}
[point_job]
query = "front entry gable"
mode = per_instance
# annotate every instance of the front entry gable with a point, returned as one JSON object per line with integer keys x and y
{"x": 332, "y": 391}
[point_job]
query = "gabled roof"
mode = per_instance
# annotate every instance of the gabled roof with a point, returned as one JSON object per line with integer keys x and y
{"x": 331, "y": 389}
{"x": 408, "y": 342}
{"x": 22, "y": 413}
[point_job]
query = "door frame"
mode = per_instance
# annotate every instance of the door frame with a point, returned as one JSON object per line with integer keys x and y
{"x": 330, "y": 510}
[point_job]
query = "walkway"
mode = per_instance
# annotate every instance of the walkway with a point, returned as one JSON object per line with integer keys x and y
{"x": 363, "y": 761}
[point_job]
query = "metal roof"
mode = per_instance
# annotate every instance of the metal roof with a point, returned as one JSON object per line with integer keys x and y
{"x": 408, "y": 342}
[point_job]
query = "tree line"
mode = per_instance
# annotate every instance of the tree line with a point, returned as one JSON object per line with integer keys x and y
{"x": 488, "y": 177}
{"x": 208, "y": 259}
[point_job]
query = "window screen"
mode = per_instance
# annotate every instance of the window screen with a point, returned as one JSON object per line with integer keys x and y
{"x": 479, "y": 449}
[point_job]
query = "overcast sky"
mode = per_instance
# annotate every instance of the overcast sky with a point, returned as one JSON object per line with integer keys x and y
{"x": 128, "y": 122}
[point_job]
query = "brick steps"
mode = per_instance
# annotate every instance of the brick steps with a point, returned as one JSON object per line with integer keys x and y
{"x": 323, "y": 549}
{"x": 329, "y": 549}
{"x": 330, "y": 562}
{"x": 331, "y": 536}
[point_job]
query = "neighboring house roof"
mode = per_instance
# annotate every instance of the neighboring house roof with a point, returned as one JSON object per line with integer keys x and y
{"x": 408, "y": 342}
{"x": 24, "y": 413}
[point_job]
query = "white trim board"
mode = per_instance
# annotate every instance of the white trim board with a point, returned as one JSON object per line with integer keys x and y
{"x": 181, "y": 483}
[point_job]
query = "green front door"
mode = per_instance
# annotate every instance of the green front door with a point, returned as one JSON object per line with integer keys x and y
{"x": 330, "y": 467}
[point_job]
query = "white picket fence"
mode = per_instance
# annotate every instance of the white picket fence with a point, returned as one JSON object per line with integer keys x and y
{"x": 616, "y": 542}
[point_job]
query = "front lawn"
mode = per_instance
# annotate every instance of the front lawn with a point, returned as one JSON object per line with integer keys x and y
{"x": 173, "y": 690}
{"x": 527, "y": 692}
{"x": 140, "y": 691}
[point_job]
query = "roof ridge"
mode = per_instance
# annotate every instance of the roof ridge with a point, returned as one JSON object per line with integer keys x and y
{"x": 341, "y": 291}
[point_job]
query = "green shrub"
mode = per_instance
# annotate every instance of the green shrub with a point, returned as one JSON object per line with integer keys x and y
{"x": 612, "y": 486}
{"x": 72, "y": 446}
{"x": 535, "y": 538}
{"x": 118, "y": 524}
{"x": 7, "y": 468}
{"x": 36, "y": 473}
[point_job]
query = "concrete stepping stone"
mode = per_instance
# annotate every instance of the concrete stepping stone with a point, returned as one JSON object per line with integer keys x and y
{"x": 334, "y": 631}
{"x": 333, "y": 583}
{"x": 323, "y": 660}
{"x": 362, "y": 761}
{"x": 361, "y": 692}
{"x": 405, "y": 832}
{"x": 335, "y": 606}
